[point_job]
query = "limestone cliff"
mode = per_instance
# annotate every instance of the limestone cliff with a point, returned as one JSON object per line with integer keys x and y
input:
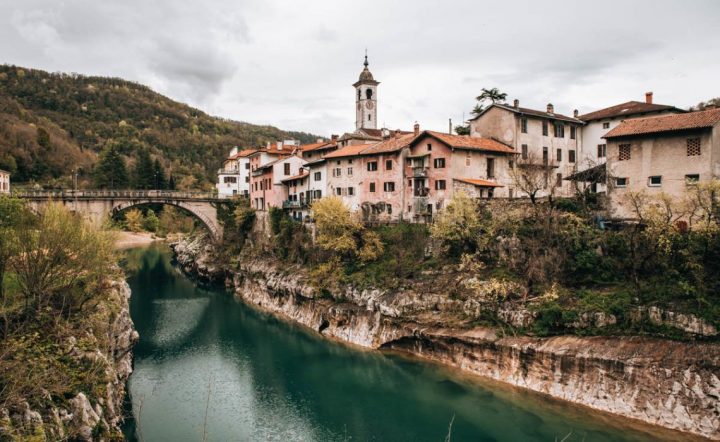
{"x": 95, "y": 412}
{"x": 668, "y": 383}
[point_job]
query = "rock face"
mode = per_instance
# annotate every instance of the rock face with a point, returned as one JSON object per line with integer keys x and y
{"x": 195, "y": 256}
{"x": 667, "y": 383}
{"x": 87, "y": 415}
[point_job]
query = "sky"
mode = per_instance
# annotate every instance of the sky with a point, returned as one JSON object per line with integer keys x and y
{"x": 292, "y": 63}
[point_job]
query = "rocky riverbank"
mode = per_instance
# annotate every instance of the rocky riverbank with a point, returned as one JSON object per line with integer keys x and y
{"x": 94, "y": 411}
{"x": 668, "y": 383}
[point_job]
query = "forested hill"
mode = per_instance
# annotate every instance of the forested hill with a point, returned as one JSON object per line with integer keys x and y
{"x": 51, "y": 124}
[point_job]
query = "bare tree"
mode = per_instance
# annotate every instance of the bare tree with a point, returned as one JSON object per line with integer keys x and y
{"x": 532, "y": 176}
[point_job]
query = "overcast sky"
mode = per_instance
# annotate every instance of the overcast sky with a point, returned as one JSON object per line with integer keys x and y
{"x": 292, "y": 63}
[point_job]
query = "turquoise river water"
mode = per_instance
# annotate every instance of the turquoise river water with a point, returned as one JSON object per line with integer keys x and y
{"x": 209, "y": 368}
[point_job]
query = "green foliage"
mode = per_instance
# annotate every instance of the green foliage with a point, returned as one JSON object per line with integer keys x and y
{"x": 174, "y": 220}
{"x": 458, "y": 225}
{"x": 82, "y": 115}
{"x": 341, "y": 234}
{"x": 462, "y": 129}
{"x": 276, "y": 215}
{"x": 111, "y": 171}
{"x": 151, "y": 223}
{"x": 144, "y": 173}
{"x": 43, "y": 138}
{"x": 134, "y": 220}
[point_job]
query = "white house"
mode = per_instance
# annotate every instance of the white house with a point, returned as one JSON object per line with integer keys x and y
{"x": 234, "y": 176}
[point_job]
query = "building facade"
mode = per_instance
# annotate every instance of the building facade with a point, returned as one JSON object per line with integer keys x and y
{"x": 234, "y": 176}
{"x": 661, "y": 155}
{"x": 4, "y": 182}
{"x": 542, "y": 139}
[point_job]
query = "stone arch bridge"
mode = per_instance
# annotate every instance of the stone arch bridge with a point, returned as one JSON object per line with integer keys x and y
{"x": 97, "y": 205}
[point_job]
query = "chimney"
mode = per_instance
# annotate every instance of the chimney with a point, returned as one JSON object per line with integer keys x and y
{"x": 550, "y": 108}
{"x": 516, "y": 103}
{"x": 416, "y": 129}
{"x": 449, "y": 126}
{"x": 397, "y": 133}
{"x": 279, "y": 145}
{"x": 268, "y": 146}
{"x": 320, "y": 140}
{"x": 334, "y": 137}
{"x": 576, "y": 113}
{"x": 648, "y": 97}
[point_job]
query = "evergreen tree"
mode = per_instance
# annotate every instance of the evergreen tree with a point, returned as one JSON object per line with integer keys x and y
{"x": 160, "y": 182}
{"x": 144, "y": 171}
{"x": 171, "y": 182}
{"x": 111, "y": 171}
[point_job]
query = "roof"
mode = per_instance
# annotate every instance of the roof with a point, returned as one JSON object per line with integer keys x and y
{"x": 479, "y": 182}
{"x": 468, "y": 143}
{"x": 267, "y": 165}
{"x": 242, "y": 154}
{"x": 314, "y": 162}
{"x": 366, "y": 77}
{"x": 530, "y": 112}
{"x": 4, "y": 171}
{"x": 666, "y": 123}
{"x": 628, "y": 108}
{"x": 391, "y": 145}
{"x": 315, "y": 146}
{"x": 348, "y": 151}
{"x": 296, "y": 177}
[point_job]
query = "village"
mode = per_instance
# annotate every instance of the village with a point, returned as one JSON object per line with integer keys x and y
{"x": 510, "y": 152}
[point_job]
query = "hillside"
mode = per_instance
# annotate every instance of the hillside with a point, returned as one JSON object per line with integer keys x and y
{"x": 52, "y": 123}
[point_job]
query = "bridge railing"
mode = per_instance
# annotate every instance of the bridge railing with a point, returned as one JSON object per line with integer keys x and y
{"x": 109, "y": 194}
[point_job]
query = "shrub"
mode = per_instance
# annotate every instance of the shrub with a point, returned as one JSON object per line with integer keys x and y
{"x": 151, "y": 221}
{"x": 134, "y": 220}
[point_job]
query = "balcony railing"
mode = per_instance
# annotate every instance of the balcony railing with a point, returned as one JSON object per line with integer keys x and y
{"x": 288, "y": 204}
{"x": 421, "y": 192}
{"x": 420, "y": 172}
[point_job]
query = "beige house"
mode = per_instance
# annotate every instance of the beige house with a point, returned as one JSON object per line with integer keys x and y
{"x": 664, "y": 154}
{"x": 4, "y": 181}
{"x": 544, "y": 137}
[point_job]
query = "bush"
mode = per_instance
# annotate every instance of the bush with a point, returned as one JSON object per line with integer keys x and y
{"x": 134, "y": 220}
{"x": 151, "y": 221}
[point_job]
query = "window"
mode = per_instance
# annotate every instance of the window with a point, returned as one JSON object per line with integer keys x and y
{"x": 389, "y": 209}
{"x": 511, "y": 164}
{"x": 372, "y": 166}
{"x": 558, "y": 155}
{"x": 368, "y": 94}
{"x": 511, "y": 193}
{"x": 524, "y": 152}
{"x": 692, "y": 179}
{"x": 601, "y": 150}
{"x": 621, "y": 182}
{"x": 247, "y": 165}
{"x": 338, "y": 191}
{"x": 351, "y": 191}
{"x": 287, "y": 168}
{"x": 571, "y": 156}
{"x": 467, "y": 159}
{"x": 349, "y": 160}
{"x": 429, "y": 147}
{"x": 317, "y": 194}
{"x": 623, "y": 152}
{"x": 227, "y": 180}
{"x": 388, "y": 164}
{"x": 338, "y": 162}
{"x": 545, "y": 127}
{"x": 606, "y": 125}
{"x": 546, "y": 155}
{"x": 572, "y": 132}
{"x": 372, "y": 187}
{"x": 439, "y": 163}
{"x": 369, "y": 117}
{"x": 247, "y": 179}
{"x": 693, "y": 146}
{"x": 439, "y": 184}
{"x": 337, "y": 171}
{"x": 389, "y": 186}
{"x": 558, "y": 180}
{"x": 349, "y": 171}
{"x": 317, "y": 176}
{"x": 523, "y": 125}
{"x": 655, "y": 181}
{"x": 559, "y": 130}
{"x": 490, "y": 169}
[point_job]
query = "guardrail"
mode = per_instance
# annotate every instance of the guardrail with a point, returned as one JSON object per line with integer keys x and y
{"x": 114, "y": 194}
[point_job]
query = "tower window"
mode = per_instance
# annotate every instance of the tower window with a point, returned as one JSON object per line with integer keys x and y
{"x": 369, "y": 117}
{"x": 368, "y": 94}
{"x": 359, "y": 94}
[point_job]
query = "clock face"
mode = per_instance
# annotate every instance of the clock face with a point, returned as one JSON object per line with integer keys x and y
{"x": 369, "y": 104}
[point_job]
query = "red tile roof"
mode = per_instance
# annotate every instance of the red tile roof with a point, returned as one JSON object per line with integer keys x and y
{"x": 468, "y": 143}
{"x": 629, "y": 108}
{"x": 296, "y": 177}
{"x": 348, "y": 151}
{"x": 479, "y": 182}
{"x": 391, "y": 145}
{"x": 242, "y": 154}
{"x": 315, "y": 146}
{"x": 667, "y": 123}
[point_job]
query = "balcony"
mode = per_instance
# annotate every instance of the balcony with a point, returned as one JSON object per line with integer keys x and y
{"x": 288, "y": 204}
{"x": 421, "y": 192}
{"x": 420, "y": 172}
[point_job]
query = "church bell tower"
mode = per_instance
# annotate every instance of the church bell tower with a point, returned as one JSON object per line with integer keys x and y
{"x": 366, "y": 99}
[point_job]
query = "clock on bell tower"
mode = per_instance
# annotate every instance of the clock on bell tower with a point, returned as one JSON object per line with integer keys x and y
{"x": 366, "y": 99}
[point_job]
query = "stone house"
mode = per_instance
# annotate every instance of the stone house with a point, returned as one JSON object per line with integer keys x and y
{"x": 661, "y": 155}
{"x": 234, "y": 176}
{"x": 4, "y": 181}
{"x": 593, "y": 151}
{"x": 344, "y": 174}
{"x": 439, "y": 164}
{"x": 541, "y": 138}
{"x": 298, "y": 194}
{"x": 264, "y": 176}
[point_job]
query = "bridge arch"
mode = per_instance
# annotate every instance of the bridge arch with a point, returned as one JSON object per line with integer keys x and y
{"x": 197, "y": 211}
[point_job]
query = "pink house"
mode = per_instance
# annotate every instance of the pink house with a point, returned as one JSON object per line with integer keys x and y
{"x": 345, "y": 177}
{"x": 440, "y": 164}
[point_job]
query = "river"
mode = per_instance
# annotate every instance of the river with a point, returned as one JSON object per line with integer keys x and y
{"x": 208, "y": 367}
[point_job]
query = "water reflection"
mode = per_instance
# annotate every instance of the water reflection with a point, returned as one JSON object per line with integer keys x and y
{"x": 210, "y": 368}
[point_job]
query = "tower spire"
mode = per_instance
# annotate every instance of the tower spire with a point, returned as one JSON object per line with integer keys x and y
{"x": 366, "y": 62}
